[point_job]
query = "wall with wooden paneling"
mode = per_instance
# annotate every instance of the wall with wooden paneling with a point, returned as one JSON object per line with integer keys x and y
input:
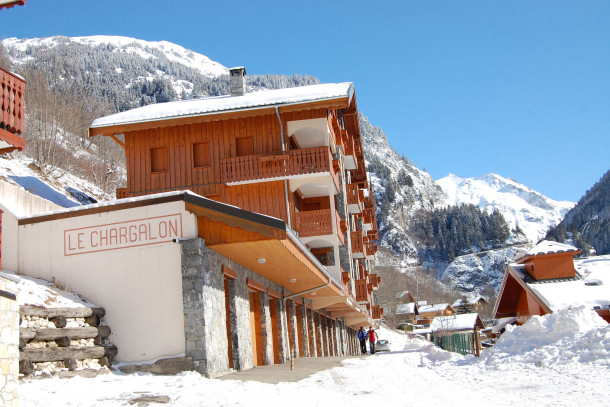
{"x": 179, "y": 149}
{"x": 554, "y": 266}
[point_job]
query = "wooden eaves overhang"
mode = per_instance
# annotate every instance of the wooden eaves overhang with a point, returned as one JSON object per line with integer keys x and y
{"x": 11, "y": 3}
{"x": 268, "y": 247}
{"x": 511, "y": 290}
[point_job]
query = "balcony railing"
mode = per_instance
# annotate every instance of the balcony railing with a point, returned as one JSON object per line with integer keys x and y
{"x": 362, "y": 291}
{"x": 357, "y": 244}
{"x": 314, "y": 223}
{"x": 340, "y": 231}
{"x": 354, "y": 201}
{"x": 121, "y": 193}
{"x": 376, "y": 312}
{"x": 264, "y": 166}
{"x": 374, "y": 280}
{"x": 12, "y": 115}
{"x": 12, "y": 111}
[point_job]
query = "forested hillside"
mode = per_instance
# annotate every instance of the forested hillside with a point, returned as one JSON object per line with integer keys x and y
{"x": 588, "y": 223}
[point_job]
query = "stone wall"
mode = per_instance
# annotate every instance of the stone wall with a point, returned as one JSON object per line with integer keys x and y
{"x": 9, "y": 344}
{"x": 206, "y": 318}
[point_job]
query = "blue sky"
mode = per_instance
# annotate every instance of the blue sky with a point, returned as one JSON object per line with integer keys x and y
{"x": 519, "y": 88}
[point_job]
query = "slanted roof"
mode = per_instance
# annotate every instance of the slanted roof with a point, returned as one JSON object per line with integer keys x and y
{"x": 405, "y": 294}
{"x": 225, "y": 104}
{"x": 434, "y": 308}
{"x": 468, "y": 301}
{"x": 591, "y": 289}
{"x": 409, "y": 308}
{"x": 548, "y": 247}
{"x": 458, "y": 322}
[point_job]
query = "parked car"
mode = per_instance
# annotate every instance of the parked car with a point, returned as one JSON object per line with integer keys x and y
{"x": 382, "y": 345}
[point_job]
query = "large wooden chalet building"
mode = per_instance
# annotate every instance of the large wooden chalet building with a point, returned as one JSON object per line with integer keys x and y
{"x": 246, "y": 229}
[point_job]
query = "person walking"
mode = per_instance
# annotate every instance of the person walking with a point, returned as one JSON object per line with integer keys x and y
{"x": 362, "y": 337}
{"x": 372, "y": 337}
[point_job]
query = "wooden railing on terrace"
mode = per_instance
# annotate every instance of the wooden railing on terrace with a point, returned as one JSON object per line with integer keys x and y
{"x": 121, "y": 193}
{"x": 314, "y": 223}
{"x": 374, "y": 280}
{"x": 263, "y": 166}
{"x": 357, "y": 242}
{"x": 340, "y": 231}
{"x": 362, "y": 292}
{"x": 376, "y": 312}
{"x": 12, "y": 102}
{"x": 354, "y": 197}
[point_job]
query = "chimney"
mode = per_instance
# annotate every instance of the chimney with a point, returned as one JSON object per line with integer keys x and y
{"x": 237, "y": 80}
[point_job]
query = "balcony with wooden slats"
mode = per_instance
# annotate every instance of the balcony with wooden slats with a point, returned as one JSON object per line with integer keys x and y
{"x": 376, "y": 312}
{"x": 12, "y": 111}
{"x": 362, "y": 292}
{"x": 354, "y": 198}
{"x": 357, "y": 244}
{"x": 374, "y": 280}
{"x": 314, "y": 223}
{"x": 266, "y": 167}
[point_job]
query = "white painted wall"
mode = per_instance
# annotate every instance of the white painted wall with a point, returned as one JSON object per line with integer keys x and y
{"x": 140, "y": 286}
{"x": 16, "y": 202}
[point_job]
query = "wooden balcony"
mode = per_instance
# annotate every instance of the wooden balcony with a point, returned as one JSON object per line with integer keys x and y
{"x": 357, "y": 244}
{"x": 369, "y": 250}
{"x": 376, "y": 312}
{"x": 314, "y": 223}
{"x": 362, "y": 291}
{"x": 12, "y": 111}
{"x": 354, "y": 198}
{"x": 279, "y": 166}
{"x": 121, "y": 193}
{"x": 374, "y": 280}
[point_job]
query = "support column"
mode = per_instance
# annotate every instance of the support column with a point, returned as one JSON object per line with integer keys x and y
{"x": 311, "y": 330}
{"x": 319, "y": 336}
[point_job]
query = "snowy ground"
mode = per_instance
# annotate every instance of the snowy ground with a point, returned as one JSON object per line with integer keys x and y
{"x": 558, "y": 360}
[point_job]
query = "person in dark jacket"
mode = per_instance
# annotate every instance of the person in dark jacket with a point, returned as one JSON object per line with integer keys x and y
{"x": 362, "y": 337}
{"x": 372, "y": 337}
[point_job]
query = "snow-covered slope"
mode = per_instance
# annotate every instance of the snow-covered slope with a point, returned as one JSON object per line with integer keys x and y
{"x": 533, "y": 212}
{"x": 144, "y": 49}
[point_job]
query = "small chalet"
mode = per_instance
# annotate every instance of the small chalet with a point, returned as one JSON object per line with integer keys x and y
{"x": 429, "y": 312}
{"x": 458, "y": 333}
{"x": 469, "y": 305}
{"x": 407, "y": 312}
{"x": 546, "y": 278}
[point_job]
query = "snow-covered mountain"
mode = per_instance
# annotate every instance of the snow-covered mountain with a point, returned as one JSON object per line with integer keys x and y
{"x": 521, "y": 206}
{"x": 400, "y": 189}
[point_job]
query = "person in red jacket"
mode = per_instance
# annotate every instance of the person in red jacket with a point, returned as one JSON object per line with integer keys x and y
{"x": 372, "y": 337}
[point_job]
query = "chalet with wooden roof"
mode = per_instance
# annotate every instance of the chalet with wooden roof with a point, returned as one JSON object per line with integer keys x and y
{"x": 546, "y": 278}
{"x": 428, "y": 312}
{"x": 247, "y": 225}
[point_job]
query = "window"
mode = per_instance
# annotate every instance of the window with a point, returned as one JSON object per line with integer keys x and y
{"x": 158, "y": 159}
{"x": 201, "y": 154}
{"x": 243, "y": 146}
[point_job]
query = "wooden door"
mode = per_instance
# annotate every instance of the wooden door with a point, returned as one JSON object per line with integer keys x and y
{"x": 274, "y": 330}
{"x": 255, "y": 317}
{"x": 228, "y": 312}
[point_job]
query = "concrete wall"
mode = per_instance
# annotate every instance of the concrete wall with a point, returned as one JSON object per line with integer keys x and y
{"x": 9, "y": 345}
{"x": 136, "y": 276}
{"x": 16, "y": 203}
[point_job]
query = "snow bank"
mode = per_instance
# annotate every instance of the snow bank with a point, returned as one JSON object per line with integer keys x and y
{"x": 577, "y": 335}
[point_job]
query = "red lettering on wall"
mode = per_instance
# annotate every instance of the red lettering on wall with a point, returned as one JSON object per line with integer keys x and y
{"x": 120, "y": 235}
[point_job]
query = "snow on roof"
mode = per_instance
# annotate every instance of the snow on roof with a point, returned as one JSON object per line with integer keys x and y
{"x": 199, "y": 107}
{"x": 405, "y": 308}
{"x": 421, "y": 303}
{"x": 402, "y": 294}
{"x": 458, "y": 322}
{"x": 33, "y": 291}
{"x": 593, "y": 290}
{"x": 467, "y": 301}
{"x": 502, "y": 322}
{"x": 433, "y": 308}
{"x": 548, "y": 247}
